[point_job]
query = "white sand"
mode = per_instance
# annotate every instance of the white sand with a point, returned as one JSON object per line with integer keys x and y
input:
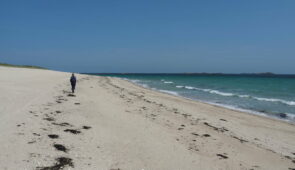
{"x": 132, "y": 128}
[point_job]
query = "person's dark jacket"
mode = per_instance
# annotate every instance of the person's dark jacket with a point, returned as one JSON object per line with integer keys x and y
{"x": 73, "y": 80}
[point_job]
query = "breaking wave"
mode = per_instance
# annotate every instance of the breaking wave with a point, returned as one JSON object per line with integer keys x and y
{"x": 168, "y": 82}
{"x": 227, "y": 94}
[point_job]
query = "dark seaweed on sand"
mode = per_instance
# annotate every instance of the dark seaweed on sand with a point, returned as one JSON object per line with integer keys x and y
{"x": 60, "y": 147}
{"x": 222, "y": 156}
{"x": 61, "y": 162}
{"x": 53, "y": 136}
{"x": 73, "y": 131}
{"x": 86, "y": 127}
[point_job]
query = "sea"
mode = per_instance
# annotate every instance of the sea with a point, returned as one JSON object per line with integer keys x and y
{"x": 263, "y": 94}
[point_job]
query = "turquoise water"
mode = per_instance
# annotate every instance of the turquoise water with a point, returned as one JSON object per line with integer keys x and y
{"x": 267, "y": 95}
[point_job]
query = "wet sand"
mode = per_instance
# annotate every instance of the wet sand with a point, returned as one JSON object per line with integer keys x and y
{"x": 112, "y": 124}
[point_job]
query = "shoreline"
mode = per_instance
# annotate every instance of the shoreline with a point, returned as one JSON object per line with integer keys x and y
{"x": 233, "y": 108}
{"x": 110, "y": 123}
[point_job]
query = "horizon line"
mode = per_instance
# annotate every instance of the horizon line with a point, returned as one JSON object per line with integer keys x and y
{"x": 195, "y": 73}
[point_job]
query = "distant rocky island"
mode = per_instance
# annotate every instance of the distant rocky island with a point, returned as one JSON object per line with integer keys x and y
{"x": 265, "y": 74}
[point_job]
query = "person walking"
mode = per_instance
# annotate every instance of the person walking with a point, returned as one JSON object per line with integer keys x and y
{"x": 73, "y": 82}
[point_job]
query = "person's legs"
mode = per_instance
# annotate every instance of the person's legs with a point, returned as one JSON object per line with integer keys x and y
{"x": 73, "y": 87}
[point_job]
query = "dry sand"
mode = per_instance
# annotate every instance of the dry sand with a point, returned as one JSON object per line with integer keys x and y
{"x": 112, "y": 124}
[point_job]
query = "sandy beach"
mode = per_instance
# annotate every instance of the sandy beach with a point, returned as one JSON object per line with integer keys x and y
{"x": 112, "y": 124}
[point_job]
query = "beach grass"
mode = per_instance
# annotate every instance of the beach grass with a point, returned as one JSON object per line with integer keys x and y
{"x": 21, "y": 66}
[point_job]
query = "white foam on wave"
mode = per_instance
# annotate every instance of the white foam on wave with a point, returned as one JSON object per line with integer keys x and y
{"x": 179, "y": 87}
{"x": 145, "y": 85}
{"x": 244, "y": 96}
{"x": 207, "y": 90}
{"x": 132, "y": 80}
{"x": 138, "y": 82}
{"x": 237, "y": 108}
{"x": 221, "y": 93}
{"x": 168, "y": 82}
{"x": 189, "y": 87}
{"x": 291, "y": 103}
{"x": 290, "y": 117}
{"x": 170, "y": 92}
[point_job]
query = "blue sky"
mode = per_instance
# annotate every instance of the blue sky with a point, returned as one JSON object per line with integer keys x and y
{"x": 230, "y": 36}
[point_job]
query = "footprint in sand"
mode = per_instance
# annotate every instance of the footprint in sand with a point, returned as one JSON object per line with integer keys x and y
{"x": 195, "y": 134}
{"x": 71, "y": 95}
{"x": 62, "y": 124}
{"x": 31, "y": 142}
{"x": 36, "y": 134}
